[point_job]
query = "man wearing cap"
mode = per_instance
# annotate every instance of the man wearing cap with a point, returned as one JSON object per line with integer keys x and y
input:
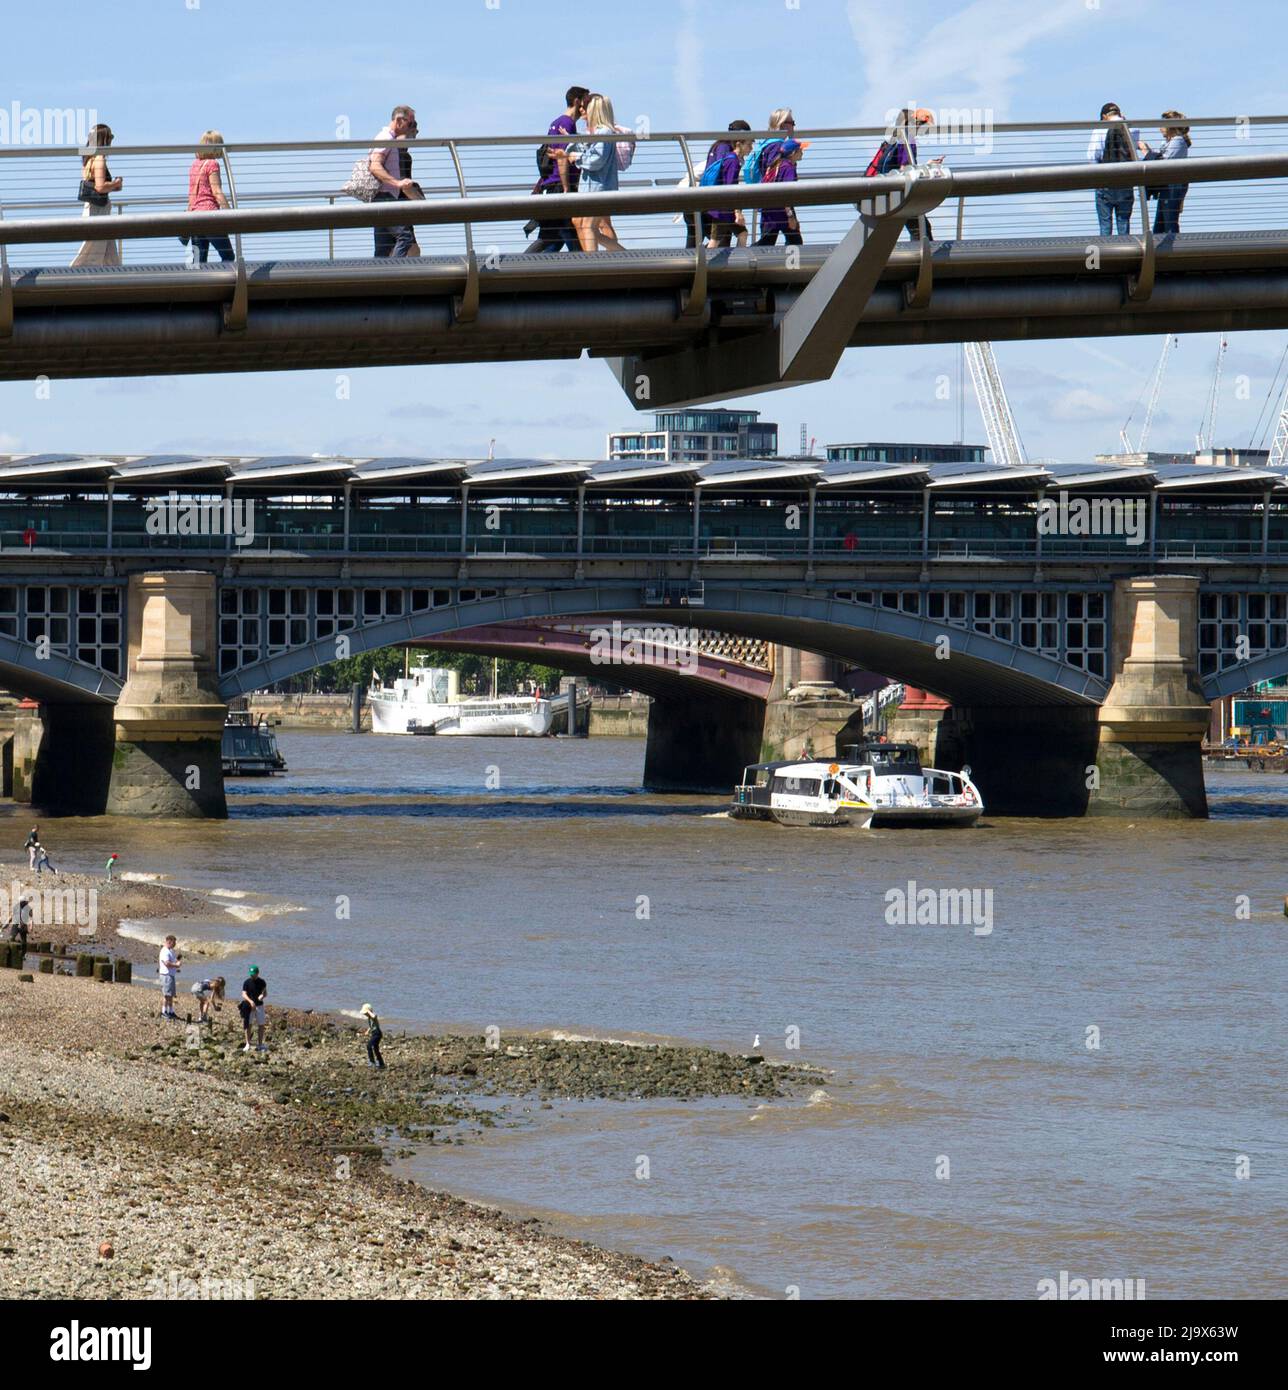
{"x": 374, "y": 1059}
{"x": 1112, "y": 143}
{"x": 251, "y": 1006}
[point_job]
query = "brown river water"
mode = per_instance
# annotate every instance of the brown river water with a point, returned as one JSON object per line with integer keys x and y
{"x": 1072, "y": 1078}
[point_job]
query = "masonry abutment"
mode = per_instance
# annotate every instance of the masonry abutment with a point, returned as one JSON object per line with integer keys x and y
{"x": 169, "y": 719}
{"x": 1152, "y": 723}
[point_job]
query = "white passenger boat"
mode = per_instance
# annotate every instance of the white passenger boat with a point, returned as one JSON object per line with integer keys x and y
{"x": 801, "y": 793}
{"x": 905, "y": 793}
{"x": 427, "y": 701}
{"x": 881, "y": 784}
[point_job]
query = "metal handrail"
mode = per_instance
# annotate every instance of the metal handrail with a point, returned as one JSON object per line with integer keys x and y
{"x": 661, "y": 137}
{"x": 980, "y": 183}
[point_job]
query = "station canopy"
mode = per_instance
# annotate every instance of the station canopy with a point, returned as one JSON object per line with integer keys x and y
{"x": 53, "y": 474}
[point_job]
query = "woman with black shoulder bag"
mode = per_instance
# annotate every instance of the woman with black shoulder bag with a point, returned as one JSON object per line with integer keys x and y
{"x": 96, "y": 187}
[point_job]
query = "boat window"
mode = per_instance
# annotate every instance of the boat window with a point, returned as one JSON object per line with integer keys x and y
{"x": 796, "y": 786}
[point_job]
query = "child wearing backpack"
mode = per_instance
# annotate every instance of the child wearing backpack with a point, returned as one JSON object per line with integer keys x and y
{"x": 718, "y": 151}
{"x": 775, "y": 220}
{"x": 724, "y": 164}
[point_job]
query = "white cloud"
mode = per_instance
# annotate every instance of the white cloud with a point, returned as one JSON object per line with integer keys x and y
{"x": 970, "y": 58}
{"x": 10, "y": 444}
{"x": 1081, "y": 404}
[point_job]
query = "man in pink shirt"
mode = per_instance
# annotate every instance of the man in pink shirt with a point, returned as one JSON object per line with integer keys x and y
{"x": 392, "y": 241}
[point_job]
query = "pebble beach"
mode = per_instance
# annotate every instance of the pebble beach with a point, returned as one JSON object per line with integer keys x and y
{"x": 149, "y": 1159}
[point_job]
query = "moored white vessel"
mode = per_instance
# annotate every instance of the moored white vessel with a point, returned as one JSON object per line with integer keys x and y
{"x": 427, "y": 701}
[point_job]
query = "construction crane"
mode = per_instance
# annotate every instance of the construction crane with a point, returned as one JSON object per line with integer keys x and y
{"x": 1156, "y": 386}
{"x": 999, "y": 424}
{"x": 1207, "y": 430}
{"x": 1279, "y": 448}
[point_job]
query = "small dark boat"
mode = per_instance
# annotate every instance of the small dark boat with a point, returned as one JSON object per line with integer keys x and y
{"x": 249, "y": 748}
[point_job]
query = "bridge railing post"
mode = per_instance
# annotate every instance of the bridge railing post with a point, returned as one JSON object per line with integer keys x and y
{"x": 695, "y": 300}
{"x": 235, "y": 313}
{"x": 467, "y": 306}
{"x": 1141, "y": 285}
{"x": 6, "y": 288}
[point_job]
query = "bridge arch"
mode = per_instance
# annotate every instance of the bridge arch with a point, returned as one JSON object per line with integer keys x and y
{"x": 1233, "y": 680}
{"x": 971, "y": 668}
{"x": 53, "y": 678}
{"x": 657, "y": 667}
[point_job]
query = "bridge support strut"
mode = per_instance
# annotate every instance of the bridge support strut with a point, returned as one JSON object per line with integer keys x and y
{"x": 806, "y": 343}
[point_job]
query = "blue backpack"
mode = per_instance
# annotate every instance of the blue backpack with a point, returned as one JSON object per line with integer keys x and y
{"x": 711, "y": 174}
{"x": 761, "y": 156}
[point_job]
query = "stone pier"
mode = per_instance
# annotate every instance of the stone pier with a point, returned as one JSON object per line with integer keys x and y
{"x": 807, "y": 716}
{"x": 701, "y": 743}
{"x": 60, "y": 760}
{"x": 169, "y": 719}
{"x": 917, "y": 721}
{"x": 1138, "y": 756}
{"x": 1149, "y": 761}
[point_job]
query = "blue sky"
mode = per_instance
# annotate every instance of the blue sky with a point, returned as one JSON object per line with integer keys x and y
{"x": 163, "y": 70}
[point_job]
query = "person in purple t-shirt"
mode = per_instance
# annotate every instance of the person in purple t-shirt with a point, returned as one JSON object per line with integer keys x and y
{"x": 775, "y": 220}
{"x": 561, "y": 176}
{"x": 719, "y": 228}
{"x": 907, "y": 126}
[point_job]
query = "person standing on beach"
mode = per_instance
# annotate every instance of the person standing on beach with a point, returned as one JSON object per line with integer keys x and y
{"x": 111, "y": 864}
{"x": 251, "y": 1006}
{"x": 374, "y": 1059}
{"x": 169, "y": 965}
{"x": 33, "y": 843}
{"x": 43, "y": 861}
{"x": 21, "y": 922}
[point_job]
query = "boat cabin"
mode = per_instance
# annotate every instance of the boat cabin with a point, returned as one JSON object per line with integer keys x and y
{"x": 886, "y": 759}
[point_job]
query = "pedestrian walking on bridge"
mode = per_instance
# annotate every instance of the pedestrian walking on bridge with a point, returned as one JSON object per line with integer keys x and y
{"x": 392, "y": 242}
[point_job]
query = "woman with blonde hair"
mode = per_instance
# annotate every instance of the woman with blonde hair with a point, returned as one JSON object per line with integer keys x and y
{"x": 206, "y": 194}
{"x": 597, "y": 161}
{"x": 765, "y": 151}
{"x": 1171, "y": 197}
{"x": 96, "y": 187}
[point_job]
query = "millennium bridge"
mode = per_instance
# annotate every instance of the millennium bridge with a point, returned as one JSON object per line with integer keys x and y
{"x": 1015, "y": 254}
{"x": 139, "y": 594}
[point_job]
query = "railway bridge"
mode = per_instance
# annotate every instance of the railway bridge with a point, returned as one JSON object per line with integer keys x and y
{"x": 1078, "y": 667}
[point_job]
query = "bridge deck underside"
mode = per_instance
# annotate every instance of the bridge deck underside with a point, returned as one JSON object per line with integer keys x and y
{"x": 160, "y": 319}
